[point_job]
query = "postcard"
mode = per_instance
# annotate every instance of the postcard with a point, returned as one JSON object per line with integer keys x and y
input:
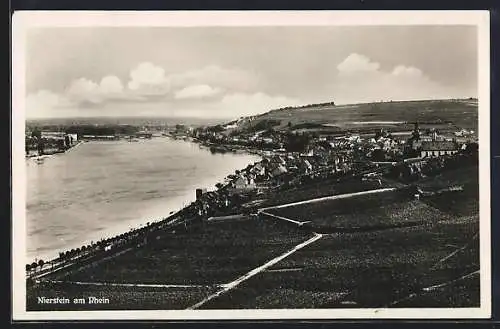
{"x": 237, "y": 165}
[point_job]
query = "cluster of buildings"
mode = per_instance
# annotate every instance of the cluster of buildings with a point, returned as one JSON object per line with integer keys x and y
{"x": 47, "y": 142}
{"x": 431, "y": 144}
{"x": 325, "y": 156}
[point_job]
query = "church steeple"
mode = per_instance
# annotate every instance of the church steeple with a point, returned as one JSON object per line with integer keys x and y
{"x": 416, "y": 131}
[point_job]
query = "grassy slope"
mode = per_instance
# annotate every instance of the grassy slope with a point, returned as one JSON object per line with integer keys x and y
{"x": 369, "y": 269}
{"x": 326, "y": 187}
{"x": 210, "y": 254}
{"x": 461, "y": 113}
{"x": 374, "y": 269}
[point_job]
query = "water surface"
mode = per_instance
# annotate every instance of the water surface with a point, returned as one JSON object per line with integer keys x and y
{"x": 101, "y": 189}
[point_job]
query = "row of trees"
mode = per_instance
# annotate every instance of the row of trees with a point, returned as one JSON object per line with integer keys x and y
{"x": 35, "y": 265}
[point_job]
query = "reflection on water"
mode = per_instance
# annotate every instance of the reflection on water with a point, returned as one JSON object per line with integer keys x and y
{"x": 105, "y": 188}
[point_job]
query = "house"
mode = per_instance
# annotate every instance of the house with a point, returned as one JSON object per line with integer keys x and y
{"x": 308, "y": 166}
{"x": 438, "y": 148}
{"x": 278, "y": 170}
{"x": 200, "y": 192}
{"x": 74, "y": 137}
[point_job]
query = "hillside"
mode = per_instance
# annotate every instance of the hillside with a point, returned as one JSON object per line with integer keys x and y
{"x": 396, "y": 116}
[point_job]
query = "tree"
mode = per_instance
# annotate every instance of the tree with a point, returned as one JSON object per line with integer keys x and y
{"x": 378, "y": 155}
{"x": 36, "y": 133}
{"x": 41, "y": 147}
{"x": 41, "y": 263}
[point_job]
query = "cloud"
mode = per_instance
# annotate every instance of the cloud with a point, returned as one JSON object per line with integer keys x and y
{"x": 361, "y": 79}
{"x": 149, "y": 83}
{"x": 355, "y": 63}
{"x": 229, "y": 79}
{"x": 46, "y": 103}
{"x": 407, "y": 71}
{"x": 197, "y": 91}
{"x": 83, "y": 90}
{"x": 86, "y": 91}
{"x": 148, "y": 79}
{"x": 111, "y": 85}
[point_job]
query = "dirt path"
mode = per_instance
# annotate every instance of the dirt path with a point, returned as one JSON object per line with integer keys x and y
{"x": 331, "y": 197}
{"x": 255, "y": 271}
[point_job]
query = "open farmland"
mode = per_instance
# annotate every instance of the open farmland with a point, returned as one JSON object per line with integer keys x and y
{"x": 362, "y": 211}
{"x": 443, "y": 114}
{"x": 458, "y": 203}
{"x": 366, "y": 270}
{"x": 323, "y": 188}
{"x": 210, "y": 253}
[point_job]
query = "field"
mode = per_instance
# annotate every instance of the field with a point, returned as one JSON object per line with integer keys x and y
{"x": 206, "y": 254}
{"x": 324, "y": 188}
{"x": 431, "y": 263}
{"x": 443, "y": 114}
{"x": 460, "y": 203}
{"x": 391, "y": 208}
{"x": 366, "y": 270}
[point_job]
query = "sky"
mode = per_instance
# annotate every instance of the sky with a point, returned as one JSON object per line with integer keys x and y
{"x": 229, "y": 72}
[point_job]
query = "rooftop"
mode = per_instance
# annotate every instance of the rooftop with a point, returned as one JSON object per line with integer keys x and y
{"x": 439, "y": 146}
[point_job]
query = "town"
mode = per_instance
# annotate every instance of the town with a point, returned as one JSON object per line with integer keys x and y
{"x": 304, "y": 166}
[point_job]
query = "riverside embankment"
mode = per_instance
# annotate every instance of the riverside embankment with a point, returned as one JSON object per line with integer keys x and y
{"x": 103, "y": 189}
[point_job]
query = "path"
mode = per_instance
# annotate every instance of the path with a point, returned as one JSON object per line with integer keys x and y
{"x": 255, "y": 271}
{"x": 331, "y": 197}
{"x": 284, "y": 218}
{"x": 140, "y": 285}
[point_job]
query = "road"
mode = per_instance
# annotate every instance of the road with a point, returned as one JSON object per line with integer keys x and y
{"x": 331, "y": 197}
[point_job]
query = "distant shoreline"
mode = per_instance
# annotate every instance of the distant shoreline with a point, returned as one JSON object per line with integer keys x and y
{"x": 49, "y": 155}
{"x": 164, "y": 219}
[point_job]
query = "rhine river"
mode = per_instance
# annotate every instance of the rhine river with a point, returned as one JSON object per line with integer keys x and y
{"x": 101, "y": 189}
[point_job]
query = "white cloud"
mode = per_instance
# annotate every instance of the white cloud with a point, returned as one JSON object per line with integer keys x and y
{"x": 229, "y": 79}
{"x": 362, "y": 80}
{"x": 148, "y": 78}
{"x": 407, "y": 71}
{"x": 46, "y": 103}
{"x": 197, "y": 91}
{"x": 355, "y": 63}
{"x": 83, "y": 90}
{"x": 110, "y": 85}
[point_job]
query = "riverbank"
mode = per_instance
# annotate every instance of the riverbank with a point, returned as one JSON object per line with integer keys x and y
{"x": 161, "y": 187}
{"x": 54, "y": 153}
{"x": 416, "y": 244}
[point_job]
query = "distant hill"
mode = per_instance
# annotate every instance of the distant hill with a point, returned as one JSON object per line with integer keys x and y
{"x": 396, "y": 115}
{"x": 133, "y": 121}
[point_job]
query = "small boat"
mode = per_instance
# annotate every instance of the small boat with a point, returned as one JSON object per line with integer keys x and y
{"x": 39, "y": 160}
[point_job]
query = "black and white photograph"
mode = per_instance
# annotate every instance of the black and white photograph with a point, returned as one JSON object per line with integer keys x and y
{"x": 251, "y": 165}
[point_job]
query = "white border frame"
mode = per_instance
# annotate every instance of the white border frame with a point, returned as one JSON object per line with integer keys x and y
{"x": 22, "y": 20}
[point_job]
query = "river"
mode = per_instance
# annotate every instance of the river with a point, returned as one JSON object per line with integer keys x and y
{"x": 101, "y": 189}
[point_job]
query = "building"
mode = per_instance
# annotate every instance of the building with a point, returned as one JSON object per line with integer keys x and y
{"x": 53, "y": 134}
{"x": 143, "y": 134}
{"x": 99, "y": 137}
{"x": 74, "y": 137}
{"x": 200, "y": 192}
{"x": 438, "y": 148}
